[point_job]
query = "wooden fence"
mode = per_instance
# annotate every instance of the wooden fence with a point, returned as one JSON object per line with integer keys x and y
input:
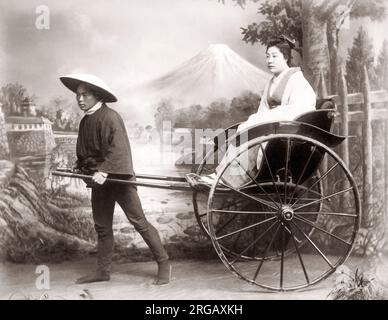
{"x": 368, "y": 111}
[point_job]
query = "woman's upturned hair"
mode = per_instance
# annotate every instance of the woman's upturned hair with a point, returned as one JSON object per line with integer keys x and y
{"x": 285, "y": 46}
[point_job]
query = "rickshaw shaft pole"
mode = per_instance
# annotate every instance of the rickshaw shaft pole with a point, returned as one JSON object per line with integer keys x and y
{"x": 171, "y": 186}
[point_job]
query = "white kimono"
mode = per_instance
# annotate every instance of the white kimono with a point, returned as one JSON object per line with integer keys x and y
{"x": 298, "y": 97}
{"x": 282, "y": 100}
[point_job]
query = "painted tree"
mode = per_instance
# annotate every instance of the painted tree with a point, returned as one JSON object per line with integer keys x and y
{"x": 12, "y": 96}
{"x": 243, "y": 106}
{"x": 165, "y": 112}
{"x": 336, "y": 16}
{"x": 278, "y": 21}
{"x": 191, "y": 117}
{"x": 305, "y": 20}
{"x": 360, "y": 55}
{"x": 217, "y": 115}
{"x": 382, "y": 66}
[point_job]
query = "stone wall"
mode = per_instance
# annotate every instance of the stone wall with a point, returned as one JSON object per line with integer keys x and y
{"x": 64, "y": 154}
{"x": 66, "y": 141}
{"x": 4, "y": 148}
{"x": 27, "y": 143}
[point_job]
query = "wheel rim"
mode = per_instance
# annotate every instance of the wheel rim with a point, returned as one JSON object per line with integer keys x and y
{"x": 294, "y": 231}
{"x": 200, "y": 198}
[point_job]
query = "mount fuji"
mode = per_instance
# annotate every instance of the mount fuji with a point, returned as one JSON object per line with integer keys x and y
{"x": 215, "y": 73}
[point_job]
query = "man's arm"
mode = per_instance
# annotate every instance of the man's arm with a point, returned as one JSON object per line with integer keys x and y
{"x": 114, "y": 146}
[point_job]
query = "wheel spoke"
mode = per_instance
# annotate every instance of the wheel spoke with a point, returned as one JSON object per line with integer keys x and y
{"x": 302, "y": 173}
{"x": 286, "y": 170}
{"x": 294, "y": 240}
{"x": 226, "y": 206}
{"x": 245, "y": 228}
{"x": 313, "y": 244}
{"x": 234, "y": 246}
{"x": 265, "y": 253}
{"x": 290, "y": 232}
{"x": 282, "y": 261}
{"x": 324, "y": 198}
{"x": 244, "y": 212}
{"x": 254, "y": 242}
{"x": 341, "y": 214}
{"x": 315, "y": 183}
{"x": 266, "y": 203}
{"x": 254, "y": 180}
{"x": 270, "y": 172}
{"x": 323, "y": 230}
{"x": 308, "y": 199}
{"x": 225, "y": 224}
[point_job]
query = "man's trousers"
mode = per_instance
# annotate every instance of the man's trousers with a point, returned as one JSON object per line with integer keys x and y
{"x": 103, "y": 203}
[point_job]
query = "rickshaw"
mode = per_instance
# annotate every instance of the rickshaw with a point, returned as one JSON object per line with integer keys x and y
{"x": 294, "y": 219}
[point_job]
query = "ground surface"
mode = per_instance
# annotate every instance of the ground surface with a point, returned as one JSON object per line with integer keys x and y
{"x": 196, "y": 280}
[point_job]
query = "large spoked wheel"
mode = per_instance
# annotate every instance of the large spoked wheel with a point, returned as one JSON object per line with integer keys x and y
{"x": 284, "y": 214}
{"x": 233, "y": 201}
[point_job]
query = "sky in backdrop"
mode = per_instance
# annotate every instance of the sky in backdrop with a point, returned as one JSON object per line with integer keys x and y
{"x": 124, "y": 42}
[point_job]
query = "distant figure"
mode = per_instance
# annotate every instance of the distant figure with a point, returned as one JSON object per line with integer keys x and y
{"x": 103, "y": 150}
{"x": 148, "y": 130}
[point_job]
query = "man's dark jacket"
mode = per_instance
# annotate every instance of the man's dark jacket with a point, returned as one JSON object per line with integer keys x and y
{"x": 103, "y": 144}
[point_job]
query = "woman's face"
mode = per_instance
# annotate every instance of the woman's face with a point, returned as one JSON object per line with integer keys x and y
{"x": 276, "y": 61}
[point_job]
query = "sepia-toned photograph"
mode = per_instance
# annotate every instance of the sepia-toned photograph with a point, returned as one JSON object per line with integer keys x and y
{"x": 194, "y": 150}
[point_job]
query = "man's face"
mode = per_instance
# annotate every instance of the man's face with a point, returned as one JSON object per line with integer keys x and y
{"x": 85, "y": 97}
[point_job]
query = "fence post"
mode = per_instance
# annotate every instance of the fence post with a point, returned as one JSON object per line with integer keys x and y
{"x": 322, "y": 88}
{"x": 322, "y": 93}
{"x": 344, "y": 112}
{"x": 367, "y": 168}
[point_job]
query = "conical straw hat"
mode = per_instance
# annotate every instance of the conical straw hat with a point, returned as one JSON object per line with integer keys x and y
{"x": 72, "y": 81}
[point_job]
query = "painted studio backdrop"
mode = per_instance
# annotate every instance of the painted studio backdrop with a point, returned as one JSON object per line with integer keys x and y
{"x": 181, "y": 69}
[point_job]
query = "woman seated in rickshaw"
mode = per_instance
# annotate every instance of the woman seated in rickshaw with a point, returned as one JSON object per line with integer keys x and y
{"x": 287, "y": 95}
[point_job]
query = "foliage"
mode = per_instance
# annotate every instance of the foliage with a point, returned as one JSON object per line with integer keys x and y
{"x": 375, "y": 9}
{"x": 165, "y": 111}
{"x": 281, "y": 17}
{"x": 284, "y": 16}
{"x": 12, "y": 96}
{"x": 326, "y": 19}
{"x": 360, "y": 55}
{"x": 355, "y": 286}
{"x": 243, "y": 106}
{"x": 62, "y": 113}
{"x": 191, "y": 117}
{"x": 220, "y": 113}
{"x": 217, "y": 114}
{"x": 371, "y": 238}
